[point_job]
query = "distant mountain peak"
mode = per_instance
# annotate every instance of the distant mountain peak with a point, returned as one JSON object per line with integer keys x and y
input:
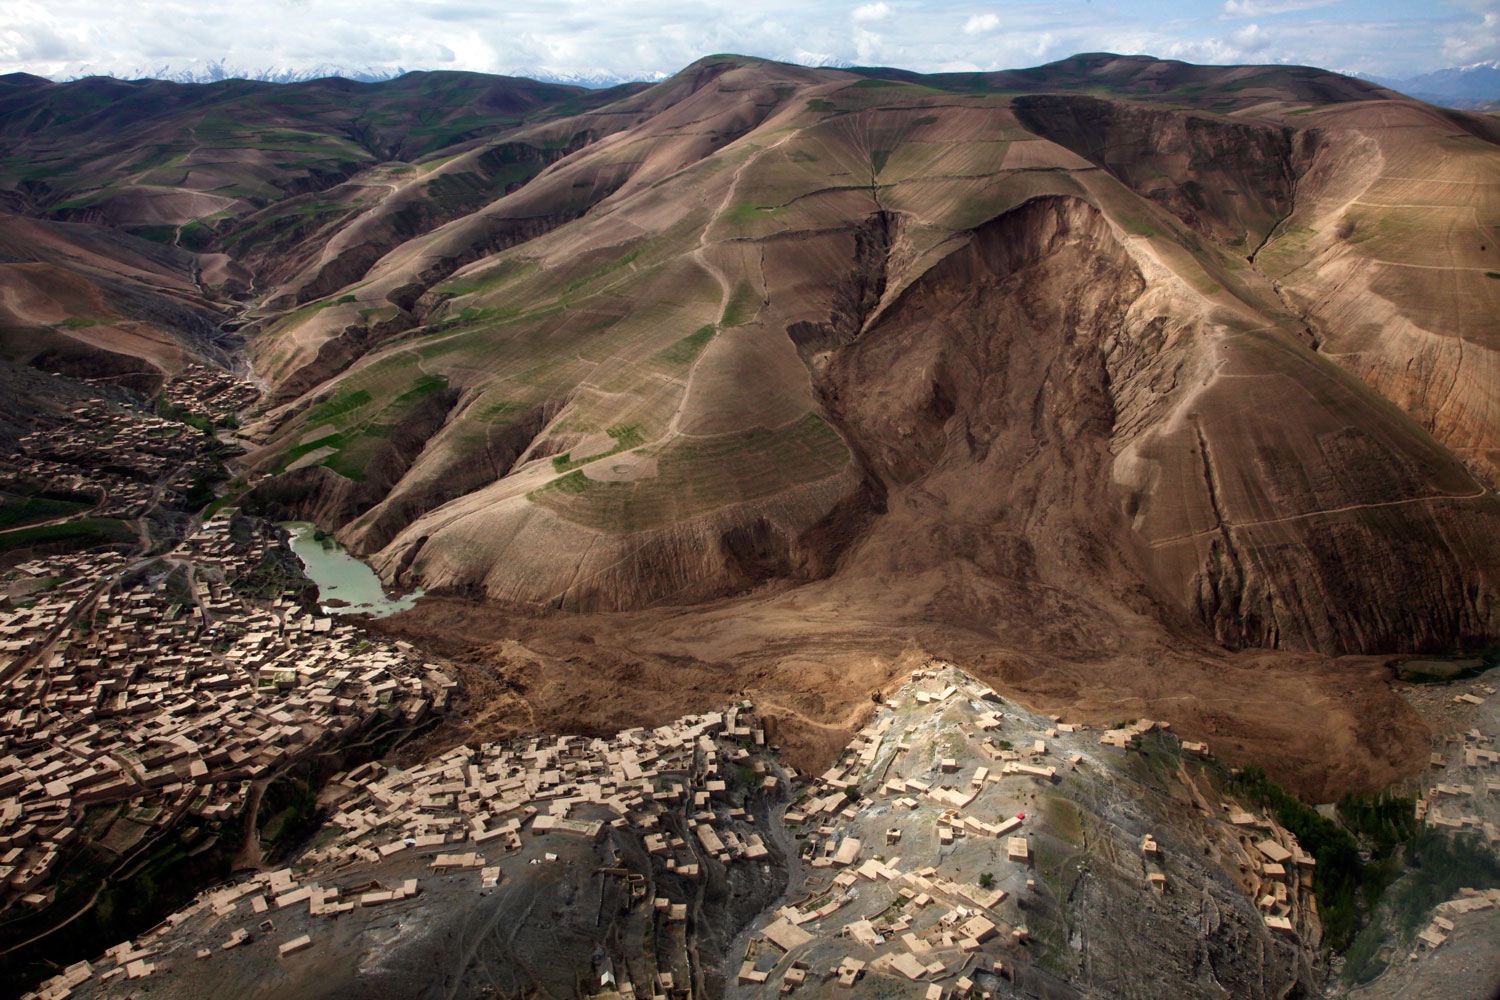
{"x": 1471, "y": 86}
{"x": 215, "y": 70}
{"x": 593, "y": 79}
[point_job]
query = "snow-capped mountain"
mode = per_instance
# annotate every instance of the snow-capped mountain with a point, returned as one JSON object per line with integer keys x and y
{"x": 1460, "y": 86}
{"x": 595, "y": 79}
{"x": 212, "y": 71}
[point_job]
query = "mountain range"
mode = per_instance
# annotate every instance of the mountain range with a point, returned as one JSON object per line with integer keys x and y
{"x": 215, "y": 70}
{"x": 1476, "y": 86}
{"x": 1114, "y": 376}
{"x": 1162, "y": 398}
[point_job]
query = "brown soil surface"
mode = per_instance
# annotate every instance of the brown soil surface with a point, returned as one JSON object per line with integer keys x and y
{"x": 1322, "y": 726}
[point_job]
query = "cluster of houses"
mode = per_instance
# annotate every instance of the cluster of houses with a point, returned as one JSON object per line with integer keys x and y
{"x": 1466, "y": 800}
{"x": 127, "y": 458}
{"x": 165, "y": 698}
{"x": 1444, "y": 917}
{"x": 488, "y": 798}
{"x": 914, "y": 919}
{"x": 47, "y": 591}
{"x": 889, "y": 833}
{"x": 209, "y": 393}
{"x": 466, "y": 812}
{"x": 1469, "y": 798}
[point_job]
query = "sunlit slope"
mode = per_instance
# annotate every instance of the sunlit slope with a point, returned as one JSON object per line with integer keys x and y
{"x": 91, "y": 302}
{"x": 649, "y": 374}
{"x": 1392, "y": 257}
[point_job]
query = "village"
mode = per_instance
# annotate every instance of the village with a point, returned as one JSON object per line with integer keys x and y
{"x": 487, "y": 815}
{"x": 154, "y": 684}
{"x": 1462, "y": 797}
{"x": 925, "y": 846}
{"x": 128, "y": 459}
{"x": 924, "y": 856}
{"x": 170, "y": 697}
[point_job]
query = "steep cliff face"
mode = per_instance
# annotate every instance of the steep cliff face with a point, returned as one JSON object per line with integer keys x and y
{"x": 1375, "y": 224}
{"x": 1023, "y": 407}
{"x": 1230, "y": 180}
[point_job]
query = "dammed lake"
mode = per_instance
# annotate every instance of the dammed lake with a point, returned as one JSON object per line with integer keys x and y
{"x": 345, "y": 585}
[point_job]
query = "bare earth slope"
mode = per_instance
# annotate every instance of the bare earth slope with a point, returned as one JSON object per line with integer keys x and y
{"x": 1136, "y": 383}
{"x": 744, "y": 348}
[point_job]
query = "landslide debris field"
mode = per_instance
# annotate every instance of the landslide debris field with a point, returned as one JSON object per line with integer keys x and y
{"x": 1136, "y": 388}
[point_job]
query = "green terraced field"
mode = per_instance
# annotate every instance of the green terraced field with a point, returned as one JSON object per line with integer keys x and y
{"x": 696, "y": 476}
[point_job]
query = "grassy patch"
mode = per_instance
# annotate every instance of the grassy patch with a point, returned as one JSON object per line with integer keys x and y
{"x": 488, "y": 279}
{"x": 602, "y": 272}
{"x": 424, "y": 386}
{"x": 16, "y": 511}
{"x": 626, "y": 436}
{"x": 744, "y": 214}
{"x": 1065, "y": 819}
{"x": 819, "y": 104}
{"x": 91, "y": 531}
{"x": 496, "y": 412}
{"x": 742, "y": 306}
{"x": 342, "y": 403}
{"x": 699, "y": 475}
{"x": 297, "y": 451}
{"x": 686, "y": 350}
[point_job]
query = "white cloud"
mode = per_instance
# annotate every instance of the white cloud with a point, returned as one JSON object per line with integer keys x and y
{"x": 1250, "y": 39}
{"x": 642, "y": 38}
{"x": 1267, "y": 8}
{"x": 979, "y": 24}
{"x": 1476, "y": 43}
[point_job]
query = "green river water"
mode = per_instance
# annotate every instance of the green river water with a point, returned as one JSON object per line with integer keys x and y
{"x": 345, "y": 584}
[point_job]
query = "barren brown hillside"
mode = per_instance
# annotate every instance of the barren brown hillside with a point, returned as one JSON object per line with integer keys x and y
{"x": 1143, "y": 388}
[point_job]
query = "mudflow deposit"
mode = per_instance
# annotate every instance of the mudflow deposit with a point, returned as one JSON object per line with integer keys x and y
{"x": 877, "y": 534}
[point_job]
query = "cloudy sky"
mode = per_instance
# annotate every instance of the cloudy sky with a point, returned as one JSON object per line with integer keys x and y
{"x": 632, "y": 38}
